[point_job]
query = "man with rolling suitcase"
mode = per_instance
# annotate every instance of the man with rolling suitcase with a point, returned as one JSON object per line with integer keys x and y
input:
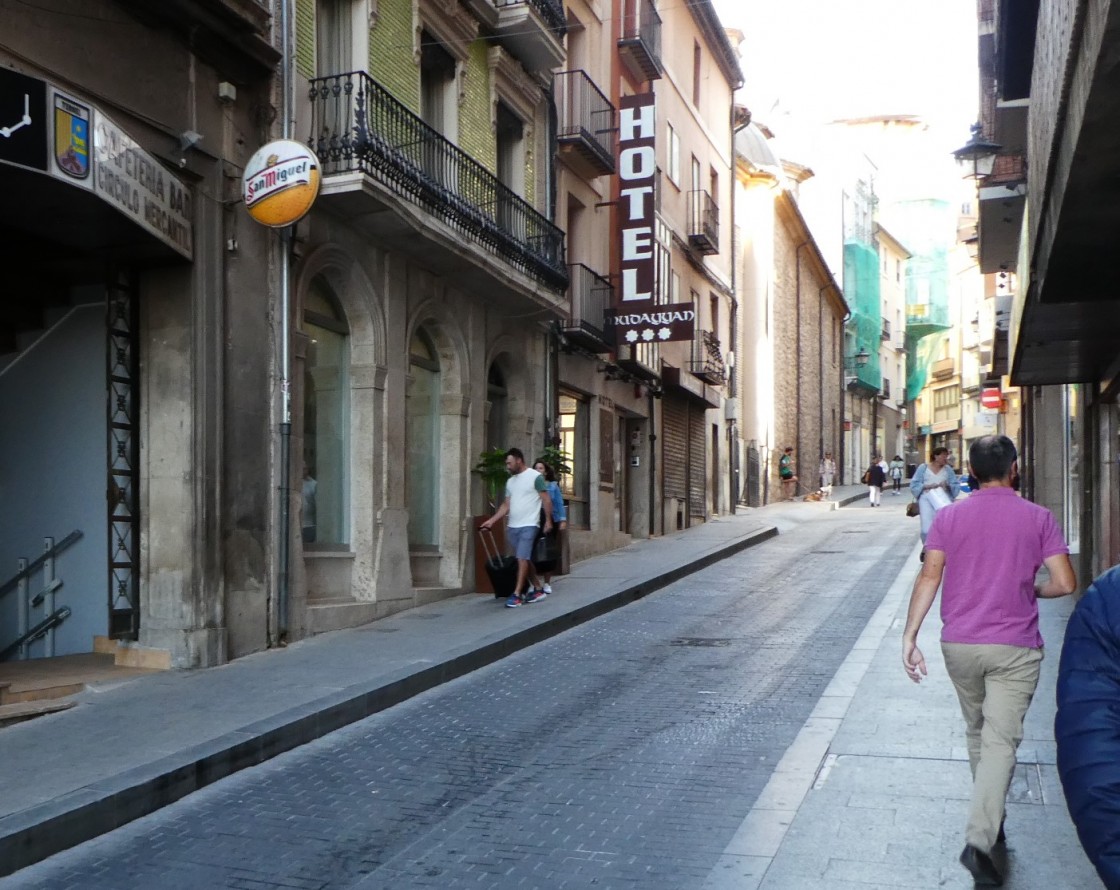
{"x": 526, "y": 494}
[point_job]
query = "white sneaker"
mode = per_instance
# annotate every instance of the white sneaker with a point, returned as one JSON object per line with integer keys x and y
{"x": 547, "y": 588}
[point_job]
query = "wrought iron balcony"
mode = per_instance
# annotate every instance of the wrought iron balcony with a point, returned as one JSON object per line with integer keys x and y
{"x": 591, "y": 294}
{"x": 642, "y": 360}
{"x": 357, "y": 126}
{"x": 703, "y": 222}
{"x": 707, "y": 359}
{"x": 587, "y": 128}
{"x": 532, "y": 30}
{"x": 640, "y": 44}
{"x": 886, "y": 332}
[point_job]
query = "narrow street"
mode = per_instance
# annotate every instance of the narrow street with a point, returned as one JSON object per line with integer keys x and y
{"x": 624, "y": 753}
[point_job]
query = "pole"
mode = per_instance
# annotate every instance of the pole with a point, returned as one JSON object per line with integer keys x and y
{"x": 284, "y": 549}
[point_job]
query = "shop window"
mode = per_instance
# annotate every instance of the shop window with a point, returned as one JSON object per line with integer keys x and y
{"x": 326, "y": 421}
{"x": 423, "y": 418}
{"x": 575, "y": 440}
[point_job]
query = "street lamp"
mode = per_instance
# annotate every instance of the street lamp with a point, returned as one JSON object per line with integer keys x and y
{"x": 978, "y": 156}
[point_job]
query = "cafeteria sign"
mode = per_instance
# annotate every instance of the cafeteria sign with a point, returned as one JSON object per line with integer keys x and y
{"x": 281, "y": 183}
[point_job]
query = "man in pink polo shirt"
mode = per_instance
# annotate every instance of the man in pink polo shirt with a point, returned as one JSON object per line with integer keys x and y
{"x": 989, "y": 548}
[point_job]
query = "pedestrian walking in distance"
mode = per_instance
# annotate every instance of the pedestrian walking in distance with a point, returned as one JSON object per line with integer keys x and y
{"x": 559, "y": 520}
{"x": 876, "y": 479}
{"x": 934, "y": 486}
{"x": 785, "y": 473}
{"x": 896, "y": 469}
{"x": 987, "y": 550}
{"x": 828, "y": 474}
{"x": 526, "y": 495}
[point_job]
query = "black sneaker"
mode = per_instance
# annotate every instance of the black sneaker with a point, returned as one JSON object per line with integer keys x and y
{"x": 981, "y": 867}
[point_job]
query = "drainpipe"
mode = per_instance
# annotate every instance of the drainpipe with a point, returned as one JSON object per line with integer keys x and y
{"x": 797, "y": 325}
{"x": 284, "y": 550}
{"x": 652, "y": 462}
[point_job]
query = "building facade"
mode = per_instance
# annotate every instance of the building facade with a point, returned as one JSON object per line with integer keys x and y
{"x": 792, "y": 327}
{"x": 138, "y": 344}
{"x": 428, "y": 278}
{"x": 1045, "y": 217}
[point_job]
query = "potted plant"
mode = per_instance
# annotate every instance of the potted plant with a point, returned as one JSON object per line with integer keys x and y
{"x": 491, "y": 468}
{"x": 557, "y": 458}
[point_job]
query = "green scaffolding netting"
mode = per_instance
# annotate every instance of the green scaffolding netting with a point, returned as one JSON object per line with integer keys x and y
{"x": 861, "y": 286}
{"x": 928, "y": 229}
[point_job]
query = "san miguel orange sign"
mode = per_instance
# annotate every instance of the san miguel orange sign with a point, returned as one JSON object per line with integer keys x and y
{"x": 280, "y": 183}
{"x": 637, "y": 316}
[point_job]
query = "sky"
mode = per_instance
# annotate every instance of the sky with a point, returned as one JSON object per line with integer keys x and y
{"x": 822, "y": 59}
{"x": 810, "y": 62}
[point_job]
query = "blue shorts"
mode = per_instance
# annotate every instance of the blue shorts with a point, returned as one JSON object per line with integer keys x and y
{"x": 521, "y": 539}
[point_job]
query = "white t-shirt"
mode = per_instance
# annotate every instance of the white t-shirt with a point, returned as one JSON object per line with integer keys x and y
{"x": 523, "y": 492}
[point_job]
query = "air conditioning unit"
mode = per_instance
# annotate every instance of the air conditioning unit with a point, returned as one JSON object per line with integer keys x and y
{"x": 730, "y": 409}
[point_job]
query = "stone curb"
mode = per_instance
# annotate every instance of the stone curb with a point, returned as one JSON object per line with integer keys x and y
{"x": 34, "y": 834}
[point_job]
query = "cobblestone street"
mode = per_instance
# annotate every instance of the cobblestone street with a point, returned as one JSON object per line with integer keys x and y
{"x": 624, "y": 753}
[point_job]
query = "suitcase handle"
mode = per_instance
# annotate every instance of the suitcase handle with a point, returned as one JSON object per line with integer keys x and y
{"x": 490, "y": 546}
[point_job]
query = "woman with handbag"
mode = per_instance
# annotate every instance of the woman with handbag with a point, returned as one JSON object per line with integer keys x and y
{"x": 546, "y": 567}
{"x": 934, "y": 486}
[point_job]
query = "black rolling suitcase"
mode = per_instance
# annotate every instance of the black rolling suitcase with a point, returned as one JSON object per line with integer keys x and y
{"x": 501, "y": 570}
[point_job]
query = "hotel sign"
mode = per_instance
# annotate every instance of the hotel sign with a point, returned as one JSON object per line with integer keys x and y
{"x": 636, "y": 316}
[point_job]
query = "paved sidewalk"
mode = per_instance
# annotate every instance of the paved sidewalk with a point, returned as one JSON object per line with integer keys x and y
{"x": 130, "y": 749}
{"x": 874, "y": 791}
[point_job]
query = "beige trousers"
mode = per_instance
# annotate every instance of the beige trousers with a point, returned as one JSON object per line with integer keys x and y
{"x": 995, "y": 685}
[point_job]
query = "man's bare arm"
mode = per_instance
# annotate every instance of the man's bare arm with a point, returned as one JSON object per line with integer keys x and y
{"x": 921, "y": 599}
{"x": 1063, "y": 579}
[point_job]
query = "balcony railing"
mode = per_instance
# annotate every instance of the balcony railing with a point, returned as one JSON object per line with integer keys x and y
{"x": 641, "y": 37}
{"x": 885, "y": 334}
{"x": 707, "y": 359}
{"x": 591, "y": 295}
{"x": 551, "y": 13}
{"x": 358, "y": 126}
{"x": 587, "y": 126}
{"x": 703, "y": 222}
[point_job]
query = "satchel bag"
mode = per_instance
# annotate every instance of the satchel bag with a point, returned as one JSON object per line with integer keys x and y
{"x": 912, "y": 509}
{"x": 546, "y": 549}
{"x": 866, "y": 477}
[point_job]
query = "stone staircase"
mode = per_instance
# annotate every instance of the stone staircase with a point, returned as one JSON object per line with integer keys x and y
{"x": 40, "y": 686}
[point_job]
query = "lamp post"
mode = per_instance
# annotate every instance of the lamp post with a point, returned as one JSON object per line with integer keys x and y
{"x": 977, "y": 157}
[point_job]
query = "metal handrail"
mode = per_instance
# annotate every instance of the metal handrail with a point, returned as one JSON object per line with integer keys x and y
{"x": 552, "y": 13}
{"x": 644, "y": 24}
{"x": 591, "y": 295}
{"x": 704, "y": 218}
{"x": 39, "y": 630}
{"x": 585, "y": 112}
{"x": 32, "y": 566}
{"x": 358, "y": 125}
{"x": 707, "y": 358}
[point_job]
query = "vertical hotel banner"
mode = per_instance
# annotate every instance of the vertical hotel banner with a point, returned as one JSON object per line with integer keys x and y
{"x": 636, "y": 316}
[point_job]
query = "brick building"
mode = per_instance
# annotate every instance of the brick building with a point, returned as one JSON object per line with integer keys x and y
{"x": 792, "y": 336}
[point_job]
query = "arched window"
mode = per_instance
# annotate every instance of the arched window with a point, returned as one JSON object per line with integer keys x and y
{"x": 423, "y": 442}
{"x": 326, "y": 421}
{"x": 497, "y": 419}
